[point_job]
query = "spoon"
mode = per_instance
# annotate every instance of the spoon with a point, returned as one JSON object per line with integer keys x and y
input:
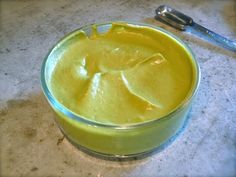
{"x": 183, "y": 22}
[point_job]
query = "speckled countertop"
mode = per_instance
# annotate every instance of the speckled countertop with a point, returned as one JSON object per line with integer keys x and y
{"x": 31, "y": 145}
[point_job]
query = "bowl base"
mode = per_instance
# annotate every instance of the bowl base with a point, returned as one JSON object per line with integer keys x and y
{"x": 128, "y": 157}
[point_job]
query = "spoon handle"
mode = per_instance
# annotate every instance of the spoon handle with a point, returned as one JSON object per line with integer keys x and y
{"x": 214, "y": 37}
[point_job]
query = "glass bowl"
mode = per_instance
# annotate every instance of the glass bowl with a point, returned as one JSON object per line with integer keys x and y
{"x": 120, "y": 141}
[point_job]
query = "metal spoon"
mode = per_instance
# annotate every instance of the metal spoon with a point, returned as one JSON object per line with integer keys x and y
{"x": 183, "y": 22}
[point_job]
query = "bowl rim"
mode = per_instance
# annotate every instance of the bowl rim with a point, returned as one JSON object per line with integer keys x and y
{"x": 72, "y": 115}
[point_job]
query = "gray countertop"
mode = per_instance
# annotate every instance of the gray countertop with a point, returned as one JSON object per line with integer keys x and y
{"x": 31, "y": 145}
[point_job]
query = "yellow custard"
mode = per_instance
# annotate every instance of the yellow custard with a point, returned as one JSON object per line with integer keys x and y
{"x": 129, "y": 74}
{"x": 120, "y": 89}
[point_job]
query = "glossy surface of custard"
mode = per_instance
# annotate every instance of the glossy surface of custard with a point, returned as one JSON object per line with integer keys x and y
{"x": 128, "y": 75}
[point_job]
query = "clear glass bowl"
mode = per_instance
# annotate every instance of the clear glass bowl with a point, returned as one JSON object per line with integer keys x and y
{"x": 113, "y": 140}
